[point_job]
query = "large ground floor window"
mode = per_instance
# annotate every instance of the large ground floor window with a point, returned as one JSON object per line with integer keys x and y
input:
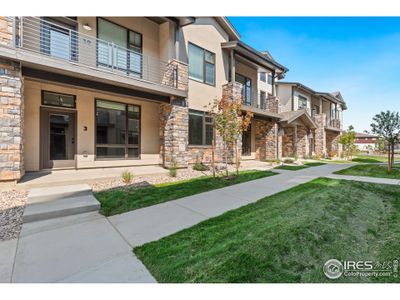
{"x": 117, "y": 130}
{"x": 200, "y": 128}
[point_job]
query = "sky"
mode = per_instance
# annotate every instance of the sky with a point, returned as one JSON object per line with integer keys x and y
{"x": 358, "y": 56}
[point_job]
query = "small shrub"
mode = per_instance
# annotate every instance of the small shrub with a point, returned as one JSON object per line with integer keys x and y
{"x": 127, "y": 177}
{"x": 173, "y": 170}
{"x": 317, "y": 157}
{"x": 200, "y": 167}
{"x": 288, "y": 160}
{"x": 277, "y": 161}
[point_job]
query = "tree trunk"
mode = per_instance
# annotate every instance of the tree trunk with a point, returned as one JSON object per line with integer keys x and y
{"x": 226, "y": 158}
{"x": 237, "y": 159}
{"x": 213, "y": 157}
{"x": 389, "y": 157}
{"x": 392, "y": 161}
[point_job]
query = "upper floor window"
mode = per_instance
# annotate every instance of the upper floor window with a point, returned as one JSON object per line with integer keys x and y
{"x": 119, "y": 47}
{"x": 269, "y": 79}
{"x": 201, "y": 130}
{"x": 302, "y": 102}
{"x": 263, "y": 77}
{"x": 315, "y": 111}
{"x": 201, "y": 64}
{"x": 246, "y": 89}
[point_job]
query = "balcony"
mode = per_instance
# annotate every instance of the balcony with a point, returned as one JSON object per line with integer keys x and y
{"x": 260, "y": 103}
{"x": 58, "y": 44}
{"x": 333, "y": 124}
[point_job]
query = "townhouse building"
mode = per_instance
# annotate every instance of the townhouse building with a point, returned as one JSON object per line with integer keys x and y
{"x": 95, "y": 92}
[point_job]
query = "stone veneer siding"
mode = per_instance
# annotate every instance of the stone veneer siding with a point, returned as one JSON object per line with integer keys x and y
{"x": 320, "y": 135}
{"x": 272, "y": 104}
{"x": 176, "y": 75}
{"x": 333, "y": 147}
{"x": 11, "y": 121}
{"x": 295, "y": 142}
{"x": 174, "y": 132}
{"x": 265, "y": 139}
{"x": 303, "y": 148}
{"x": 6, "y": 27}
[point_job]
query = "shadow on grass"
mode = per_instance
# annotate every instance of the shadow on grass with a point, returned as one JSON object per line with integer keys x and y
{"x": 127, "y": 198}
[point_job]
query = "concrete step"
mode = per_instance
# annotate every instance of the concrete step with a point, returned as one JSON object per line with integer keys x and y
{"x": 55, "y": 202}
{"x": 57, "y": 192}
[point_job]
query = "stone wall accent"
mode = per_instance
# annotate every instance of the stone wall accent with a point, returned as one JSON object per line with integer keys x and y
{"x": 288, "y": 146}
{"x": 295, "y": 142}
{"x": 333, "y": 147}
{"x": 266, "y": 139}
{"x": 320, "y": 135}
{"x": 6, "y": 31}
{"x": 272, "y": 104}
{"x": 233, "y": 91}
{"x": 303, "y": 147}
{"x": 11, "y": 121}
{"x": 176, "y": 75}
{"x": 203, "y": 154}
{"x": 174, "y": 133}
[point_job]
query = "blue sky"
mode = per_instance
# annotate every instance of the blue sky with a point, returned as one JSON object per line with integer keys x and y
{"x": 360, "y": 56}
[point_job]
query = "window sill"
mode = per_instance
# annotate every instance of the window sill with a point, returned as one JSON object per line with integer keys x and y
{"x": 200, "y": 146}
{"x": 201, "y": 81}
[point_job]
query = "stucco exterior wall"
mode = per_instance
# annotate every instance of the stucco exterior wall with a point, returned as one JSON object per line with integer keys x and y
{"x": 85, "y": 107}
{"x": 284, "y": 92}
{"x": 208, "y": 34}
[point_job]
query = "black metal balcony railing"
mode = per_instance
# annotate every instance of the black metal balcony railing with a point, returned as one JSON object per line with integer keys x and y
{"x": 46, "y": 38}
{"x": 260, "y": 101}
{"x": 334, "y": 123}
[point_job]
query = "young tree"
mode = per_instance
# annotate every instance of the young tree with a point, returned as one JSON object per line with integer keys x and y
{"x": 230, "y": 122}
{"x": 348, "y": 140}
{"x": 387, "y": 126}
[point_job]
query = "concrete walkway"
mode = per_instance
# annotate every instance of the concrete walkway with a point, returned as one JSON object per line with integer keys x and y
{"x": 366, "y": 179}
{"x": 152, "y": 223}
{"x": 78, "y": 248}
{"x": 91, "y": 248}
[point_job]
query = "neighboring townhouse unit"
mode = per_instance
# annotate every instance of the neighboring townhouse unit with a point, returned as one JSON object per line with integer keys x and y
{"x": 90, "y": 92}
{"x": 311, "y": 121}
{"x": 366, "y": 141}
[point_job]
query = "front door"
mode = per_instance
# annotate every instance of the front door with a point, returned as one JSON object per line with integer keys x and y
{"x": 246, "y": 142}
{"x": 58, "y": 138}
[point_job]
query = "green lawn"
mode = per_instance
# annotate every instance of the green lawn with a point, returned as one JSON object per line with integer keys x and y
{"x": 116, "y": 201}
{"x": 367, "y": 159}
{"x": 300, "y": 167}
{"x": 286, "y": 237}
{"x": 371, "y": 171}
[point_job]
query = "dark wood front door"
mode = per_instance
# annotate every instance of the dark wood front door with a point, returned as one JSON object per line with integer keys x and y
{"x": 246, "y": 142}
{"x": 58, "y": 138}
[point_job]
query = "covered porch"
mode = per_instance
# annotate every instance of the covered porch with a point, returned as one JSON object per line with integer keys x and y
{"x": 72, "y": 127}
{"x": 297, "y": 130}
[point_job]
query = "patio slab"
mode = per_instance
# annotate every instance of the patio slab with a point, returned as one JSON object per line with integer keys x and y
{"x": 70, "y": 177}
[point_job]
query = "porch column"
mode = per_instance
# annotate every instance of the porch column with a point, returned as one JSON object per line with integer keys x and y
{"x": 320, "y": 135}
{"x": 174, "y": 132}
{"x": 232, "y": 65}
{"x": 11, "y": 121}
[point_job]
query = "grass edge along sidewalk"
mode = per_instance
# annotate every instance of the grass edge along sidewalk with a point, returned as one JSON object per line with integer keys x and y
{"x": 119, "y": 200}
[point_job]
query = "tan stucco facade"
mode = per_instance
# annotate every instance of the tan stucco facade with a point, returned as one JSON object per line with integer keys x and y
{"x": 208, "y": 34}
{"x": 85, "y": 140}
